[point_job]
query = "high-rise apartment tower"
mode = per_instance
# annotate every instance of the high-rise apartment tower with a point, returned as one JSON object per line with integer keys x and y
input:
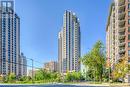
{"x": 9, "y": 39}
{"x": 69, "y": 44}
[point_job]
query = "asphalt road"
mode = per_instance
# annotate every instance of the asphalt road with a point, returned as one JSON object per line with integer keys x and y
{"x": 47, "y": 86}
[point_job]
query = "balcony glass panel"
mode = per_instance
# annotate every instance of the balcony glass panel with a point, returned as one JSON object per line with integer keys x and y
{"x": 128, "y": 52}
{"x": 128, "y": 21}
{"x": 128, "y": 6}
{"x": 129, "y": 13}
{"x": 128, "y": 44}
{"x": 128, "y": 29}
{"x": 129, "y": 37}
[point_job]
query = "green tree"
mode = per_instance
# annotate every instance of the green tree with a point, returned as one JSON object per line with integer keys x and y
{"x": 68, "y": 76}
{"x": 120, "y": 69}
{"x": 73, "y": 76}
{"x": 39, "y": 75}
{"x": 28, "y": 78}
{"x": 95, "y": 60}
{"x": 23, "y": 78}
{"x": 12, "y": 77}
{"x": 89, "y": 75}
{"x": 106, "y": 74}
{"x": 6, "y": 78}
{"x": 1, "y": 78}
{"x": 47, "y": 76}
{"x": 59, "y": 77}
{"x": 55, "y": 76}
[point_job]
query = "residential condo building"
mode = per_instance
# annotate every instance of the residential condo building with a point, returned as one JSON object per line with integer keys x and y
{"x": 118, "y": 33}
{"x": 69, "y": 44}
{"x": 51, "y": 66}
{"x": 23, "y": 65}
{"x": 9, "y": 39}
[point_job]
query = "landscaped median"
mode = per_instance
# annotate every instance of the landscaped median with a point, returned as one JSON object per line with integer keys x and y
{"x": 120, "y": 84}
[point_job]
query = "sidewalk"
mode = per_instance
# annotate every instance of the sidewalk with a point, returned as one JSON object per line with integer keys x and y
{"x": 104, "y": 84}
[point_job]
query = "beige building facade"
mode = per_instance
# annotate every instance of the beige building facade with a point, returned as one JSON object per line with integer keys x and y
{"x": 118, "y": 33}
{"x": 51, "y": 66}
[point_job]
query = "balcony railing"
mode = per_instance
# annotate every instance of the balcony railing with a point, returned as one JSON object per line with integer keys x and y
{"x": 121, "y": 37}
{"x": 114, "y": 14}
{"x": 121, "y": 2}
{"x": 121, "y": 23}
{"x": 121, "y": 30}
{"x": 122, "y": 50}
{"x": 121, "y": 16}
{"x": 121, "y": 7}
{"x": 122, "y": 44}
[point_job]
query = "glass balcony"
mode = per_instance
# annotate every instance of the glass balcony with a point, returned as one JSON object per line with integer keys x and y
{"x": 121, "y": 16}
{"x": 122, "y": 44}
{"x": 121, "y": 30}
{"x": 121, "y": 37}
{"x": 121, "y": 8}
{"x": 122, "y": 50}
{"x": 121, "y": 2}
{"x": 114, "y": 14}
{"x": 121, "y": 23}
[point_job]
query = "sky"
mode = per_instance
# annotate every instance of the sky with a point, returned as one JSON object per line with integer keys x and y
{"x": 41, "y": 20}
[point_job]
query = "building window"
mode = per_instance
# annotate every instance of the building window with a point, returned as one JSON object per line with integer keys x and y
{"x": 129, "y": 61}
{"x": 129, "y": 13}
{"x": 4, "y": 4}
{"x": 9, "y": 4}
{"x": 128, "y": 44}
{"x": 128, "y": 21}
{"x": 129, "y": 37}
{"x": 128, "y": 6}
{"x": 128, "y": 52}
{"x": 128, "y": 29}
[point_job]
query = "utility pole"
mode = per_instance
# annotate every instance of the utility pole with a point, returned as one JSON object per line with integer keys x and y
{"x": 32, "y": 72}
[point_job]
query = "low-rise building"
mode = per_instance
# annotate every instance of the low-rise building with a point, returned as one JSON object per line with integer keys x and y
{"x": 23, "y": 65}
{"x": 51, "y": 66}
